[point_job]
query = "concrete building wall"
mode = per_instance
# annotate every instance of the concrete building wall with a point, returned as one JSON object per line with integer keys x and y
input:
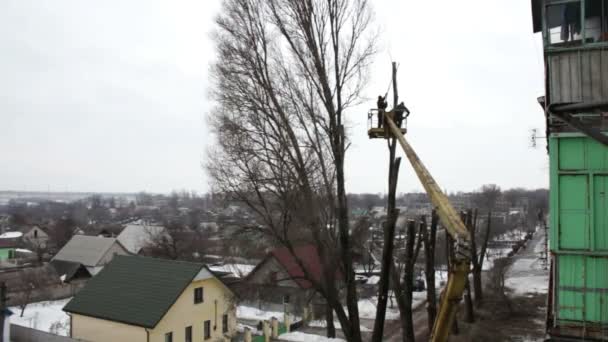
{"x": 100, "y": 330}
{"x": 217, "y": 301}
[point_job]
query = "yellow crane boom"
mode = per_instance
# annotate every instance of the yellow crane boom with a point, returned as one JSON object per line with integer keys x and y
{"x": 458, "y": 273}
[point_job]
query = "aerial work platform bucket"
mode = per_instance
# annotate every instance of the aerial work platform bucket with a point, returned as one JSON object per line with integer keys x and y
{"x": 375, "y": 132}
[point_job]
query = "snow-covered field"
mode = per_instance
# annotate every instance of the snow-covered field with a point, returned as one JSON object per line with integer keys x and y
{"x": 297, "y": 336}
{"x": 46, "y": 316}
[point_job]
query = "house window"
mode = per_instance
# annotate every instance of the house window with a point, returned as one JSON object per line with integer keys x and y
{"x": 188, "y": 334}
{"x": 169, "y": 337}
{"x": 225, "y": 323}
{"x": 286, "y": 299}
{"x": 273, "y": 277}
{"x": 35, "y": 233}
{"x": 198, "y": 295}
{"x": 207, "y": 330}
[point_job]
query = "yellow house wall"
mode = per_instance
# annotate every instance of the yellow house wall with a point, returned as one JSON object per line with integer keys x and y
{"x": 99, "y": 330}
{"x": 185, "y": 313}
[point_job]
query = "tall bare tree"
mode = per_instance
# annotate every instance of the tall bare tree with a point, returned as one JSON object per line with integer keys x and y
{"x": 286, "y": 72}
{"x": 429, "y": 239}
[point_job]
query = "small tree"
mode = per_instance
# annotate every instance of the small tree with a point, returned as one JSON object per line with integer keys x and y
{"x": 31, "y": 280}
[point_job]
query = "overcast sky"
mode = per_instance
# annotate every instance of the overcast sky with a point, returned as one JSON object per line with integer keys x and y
{"x": 111, "y": 96}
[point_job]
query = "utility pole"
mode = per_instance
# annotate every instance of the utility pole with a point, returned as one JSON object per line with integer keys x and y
{"x": 2, "y": 310}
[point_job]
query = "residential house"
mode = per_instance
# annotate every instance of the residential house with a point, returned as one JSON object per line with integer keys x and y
{"x": 135, "y": 237}
{"x": 92, "y": 252}
{"x": 278, "y": 282}
{"x": 8, "y": 248}
{"x": 142, "y": 299}
{"x": 34, "y": 236}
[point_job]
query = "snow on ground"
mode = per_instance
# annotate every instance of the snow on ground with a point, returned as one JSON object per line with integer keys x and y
{"x": 11, "y": 235}
{"x": 239, "y": 270}
{"x": 23, "y": 250}
{"x": 373, "y": 280}
{"x": 527, "y": 274}
{"x": 46, "y": 316}
{"x": 254, "y": 314}
{"x": 297, "y": 336}
{"x": 492, "y": 254}
{"x": 240, "y": 327}
{"x": 367, "y": 307}
{"x": 323, "y": 324}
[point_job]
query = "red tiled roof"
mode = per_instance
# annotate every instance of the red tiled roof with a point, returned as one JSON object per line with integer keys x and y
{"x": 308, "y": 256}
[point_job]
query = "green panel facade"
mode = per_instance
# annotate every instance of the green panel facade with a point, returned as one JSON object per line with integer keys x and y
{"x": 579, "y": 185}
{"x": 581, "y": 288}
{"x": 7, "y": 253}
{"x": 600, "y": 206}
{"x": 579, "y": 235}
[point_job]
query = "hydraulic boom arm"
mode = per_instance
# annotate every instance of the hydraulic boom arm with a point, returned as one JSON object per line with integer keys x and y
{"x": 454, "y": 226}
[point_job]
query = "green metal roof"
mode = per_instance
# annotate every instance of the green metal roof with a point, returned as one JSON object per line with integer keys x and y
{"x": 134, "y": 290}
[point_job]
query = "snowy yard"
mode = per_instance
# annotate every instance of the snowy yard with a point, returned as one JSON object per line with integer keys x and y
{"x": 323, "y": 324}
{"x": 254, "y": 314}
{"x": 527, "y": 276}
{"x": 297, "y": 336}
{"x": 46, "y": 316}
{"x": 367, "y": 307}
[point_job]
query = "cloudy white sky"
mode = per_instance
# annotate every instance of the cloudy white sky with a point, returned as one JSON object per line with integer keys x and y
{"x": 112, "y": 95}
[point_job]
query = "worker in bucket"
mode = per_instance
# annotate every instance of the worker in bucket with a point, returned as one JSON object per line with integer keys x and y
{"x": 381, "y": 108}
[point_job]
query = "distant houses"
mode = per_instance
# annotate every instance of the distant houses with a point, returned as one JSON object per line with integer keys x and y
{"x": 90, "y": 252}
{"x": 278, "y": 281}
{"x": 136, "y": 237}
{"x": 142, "y": 299}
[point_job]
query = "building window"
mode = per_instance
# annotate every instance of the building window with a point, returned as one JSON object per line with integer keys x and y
{"x": 286, "y": 299}
{"x": 198, "y": 295}
{"x": 207, "y": 330}
{"x": 35, "y": 233}
{"x": 188, "y": 334}
{"x": 273, "y": 276}
{"x": 225, "y": 323}
{"x": 169, "y": 337}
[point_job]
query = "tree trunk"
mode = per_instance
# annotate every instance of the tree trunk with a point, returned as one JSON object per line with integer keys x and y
{"x": 329, "y": 317}
{"x": 429, "y": 250}
{"x": 408, "y": 283}
{"x": 389, "y": 229}
{"x": 450, "y": 248}
{"x": 478, "y": 286}
{"x": 469, "y": 316}
{"x": 387, "y": 252}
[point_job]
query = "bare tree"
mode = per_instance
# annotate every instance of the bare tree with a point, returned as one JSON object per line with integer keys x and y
{"x": 429, "y": 240}
{"x": 30, "y": 280}
{"x": 61, "y": 232}
{"x": 175, "y": 242}
{"x": 287, "y": 71}
{"x": 497, "y": 280}
{"x": 389, "y": 229}
{"x": 478, "y": 252}
{"x": 487, "y": 196}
